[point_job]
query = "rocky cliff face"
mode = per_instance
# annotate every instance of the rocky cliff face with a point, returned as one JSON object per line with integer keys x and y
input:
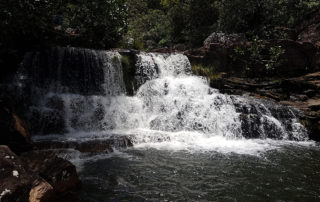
{"x": 235, "y": 58}
{"x": 14, "y": 129}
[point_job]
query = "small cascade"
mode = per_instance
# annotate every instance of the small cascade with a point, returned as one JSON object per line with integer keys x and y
{"x": 151, "y": 66}
{"x": 85, "y": 97}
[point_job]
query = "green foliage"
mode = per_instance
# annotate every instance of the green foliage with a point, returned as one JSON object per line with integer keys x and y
{"x": 254, "y": 17}
{"x": 275, "y": 58}
{"x": 99, "y": 23}
{"x": 125, "y": 61}
{"x": 160, "y": 23}
{"x": 138, "y": 45}
{"x": 128, "y": 65}
{"x": 258, "y": 55}
{"x": 168, "y": 22}
{"x": 28, "y": 25}
{"x": 149, "y": 29}
{"x": 255, "y": 49}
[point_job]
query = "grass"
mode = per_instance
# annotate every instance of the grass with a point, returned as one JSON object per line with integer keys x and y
{"x": 206, "y": 71}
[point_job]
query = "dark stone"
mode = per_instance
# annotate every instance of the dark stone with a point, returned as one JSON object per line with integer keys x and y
{"x": 15, "y": 180}
{"x": 93, "y": 146}
{"x": 250, "y": 125}
{"x": 35, "y": 177}
{"x": 59, "y": 173}
{"x": 225, "y": 39}
{"x": 14, "y": 130}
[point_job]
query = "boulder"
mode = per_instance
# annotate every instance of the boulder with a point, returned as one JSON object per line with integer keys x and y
{"x": 298, "y": 59}
{"x": 309, "y": 28}
{"x": 41, "y": 191}
{"x": 35, "y": 177}
{"x": 59, "y": 173}
{"x": 227, "y": 40}
{"x": 309, "y": 31}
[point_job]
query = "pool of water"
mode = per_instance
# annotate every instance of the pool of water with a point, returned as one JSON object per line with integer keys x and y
{"x": 286, "y": 172}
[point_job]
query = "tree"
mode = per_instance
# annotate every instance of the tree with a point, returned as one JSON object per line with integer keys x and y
{"x": 28, "y": 24}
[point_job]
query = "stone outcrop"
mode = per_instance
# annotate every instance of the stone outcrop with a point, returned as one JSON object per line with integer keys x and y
{"x": 59, "y": 173}
{"x": 299, "y": 58}
{"x": 227, "y": 40}
{"x": 309, "y": 29}
{"x": 16, "y": 182}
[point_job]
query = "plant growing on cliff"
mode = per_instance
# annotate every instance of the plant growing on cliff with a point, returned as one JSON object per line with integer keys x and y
{"x": 274, "y": 60}
{"x": 207, "y": 71}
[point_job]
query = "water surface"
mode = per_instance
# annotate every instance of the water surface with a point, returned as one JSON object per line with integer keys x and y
{"x": 291, "y": 172}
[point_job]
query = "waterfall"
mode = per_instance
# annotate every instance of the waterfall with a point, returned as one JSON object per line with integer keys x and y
{"x": 74, "y": 70}
{"x": 82, "y": 95}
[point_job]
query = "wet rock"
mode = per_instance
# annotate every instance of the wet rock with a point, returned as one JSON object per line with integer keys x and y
{"x": 250, "y": 125}
{"x": 302, "y": 93}
{"x": 59, "y": 173}
{"x": 41, "y": 191}
{"x": 262, "y": 118}
{"x": 93, "y": 146}
{"x": 35, "y": 177}
{"x": 15, "y": 180}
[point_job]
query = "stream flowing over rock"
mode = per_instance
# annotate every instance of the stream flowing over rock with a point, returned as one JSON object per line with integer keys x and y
{"x": 79, "y": 94}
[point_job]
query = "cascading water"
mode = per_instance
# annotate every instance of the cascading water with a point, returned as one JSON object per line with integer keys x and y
{"x": 171, "y": 105}
{"x": 191, "y": 142}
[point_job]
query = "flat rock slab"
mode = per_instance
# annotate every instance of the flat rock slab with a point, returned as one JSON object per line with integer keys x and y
{"x": 314, "y": 104}
{"x": 91, "y": 146}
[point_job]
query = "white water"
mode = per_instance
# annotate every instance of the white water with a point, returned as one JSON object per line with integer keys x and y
{"x": 172, "y": 110}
